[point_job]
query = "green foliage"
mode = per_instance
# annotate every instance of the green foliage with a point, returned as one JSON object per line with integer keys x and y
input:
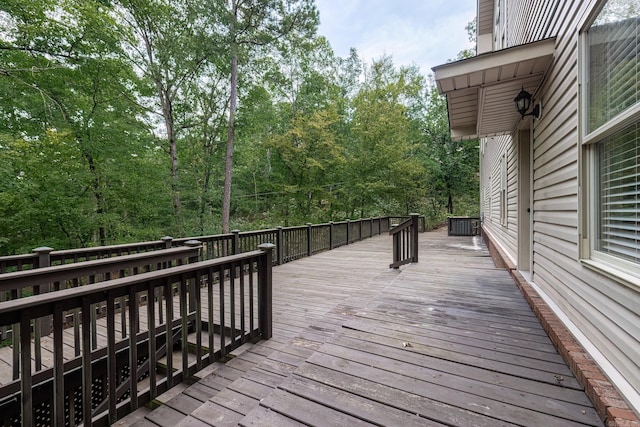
{"x": 114, "y": 122}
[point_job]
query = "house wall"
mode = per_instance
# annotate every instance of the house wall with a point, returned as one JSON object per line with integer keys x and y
{"x": 602, "y": 313}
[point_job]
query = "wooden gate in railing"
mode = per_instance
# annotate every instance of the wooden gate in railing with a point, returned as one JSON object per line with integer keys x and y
{"x": 123, "y": 365}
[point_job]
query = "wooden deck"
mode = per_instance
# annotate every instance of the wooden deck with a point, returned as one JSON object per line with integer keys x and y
{"x": 447, "y": 341}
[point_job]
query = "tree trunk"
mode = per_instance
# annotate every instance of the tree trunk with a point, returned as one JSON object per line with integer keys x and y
{"x": 228, "y": 166}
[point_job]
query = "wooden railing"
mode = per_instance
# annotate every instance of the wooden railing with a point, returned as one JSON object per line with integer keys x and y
{"x": 126, "y": 359}
{"x": 34, "y": 260}
{"x": 24, "y": 283}
{"x": 405, "y": 241}
{"x": 291, "y": 243}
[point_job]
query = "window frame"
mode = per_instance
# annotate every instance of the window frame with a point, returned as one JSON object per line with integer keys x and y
{"x": 616, "y": 268}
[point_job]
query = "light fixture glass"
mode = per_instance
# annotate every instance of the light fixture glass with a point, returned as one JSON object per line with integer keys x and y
{"x": 523, "y": 103}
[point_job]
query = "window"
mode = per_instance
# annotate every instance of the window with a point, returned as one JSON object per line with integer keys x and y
{"x": 503, "y": 190}
{"x": 611, "y": 133}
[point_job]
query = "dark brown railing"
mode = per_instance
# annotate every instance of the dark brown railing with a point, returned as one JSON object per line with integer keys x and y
{"x": 230, "y": 298}
{"x": 117, "y": 345}
{"x": 405, "y": 241}
{"x": 291, "y": 243}
{"x": 34, "y": 260}
{"x": 24, "y": 283}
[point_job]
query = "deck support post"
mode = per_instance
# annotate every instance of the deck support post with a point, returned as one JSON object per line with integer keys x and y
{"x": 265, "y": 291}
{"x": 309, "y": 239}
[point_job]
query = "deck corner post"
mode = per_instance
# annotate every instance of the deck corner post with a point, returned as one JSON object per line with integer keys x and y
{"x": 265, "y": 291}
{"x": 309, "y": 239}
{"x": 330, "y": 235}
{"x": 168, "y": 242}
{"x": 280, "y": 244}
{"x": 235, "y": 244}
{"x": 414, "y": 236}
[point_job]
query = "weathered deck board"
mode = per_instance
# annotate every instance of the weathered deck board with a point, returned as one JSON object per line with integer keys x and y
{"x": 447, "y": 341}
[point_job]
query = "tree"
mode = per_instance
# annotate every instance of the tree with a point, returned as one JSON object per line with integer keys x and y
{"x": 159, "y": 33}
{"x": 382, "y": 140}
{"x": 258, "y": 23}
{"x": 455, "y": 163}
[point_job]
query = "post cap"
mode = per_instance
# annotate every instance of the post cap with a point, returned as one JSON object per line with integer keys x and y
{"x": 266, "y": 246}
{"x": 43, "y": 250}
{"x": 236, "y": 231}
{"x": 167, "y": 238}
{"x": 193, "y": 243}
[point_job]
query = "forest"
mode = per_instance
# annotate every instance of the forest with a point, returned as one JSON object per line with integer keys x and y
{"x": 129, "y": 120}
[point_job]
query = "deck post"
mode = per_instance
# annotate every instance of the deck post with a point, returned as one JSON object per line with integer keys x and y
{"x": 414, "y": 237}
{"x": 265, "y": 291}
{"x": 43, "y": 325}
{"x": 280, "y": 244}
{"x": 330, "y": 235}
{"x": 348, "y": 230}
{"x": 360, "y": 229}
{"x": 309, "y": 237}
{"x": 168, "y": 242}
{"x": 235, "y": 245}
{"x": 192, "y": 285}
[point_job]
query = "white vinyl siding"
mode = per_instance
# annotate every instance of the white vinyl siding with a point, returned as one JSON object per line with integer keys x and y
{"x": 604, "y": 310}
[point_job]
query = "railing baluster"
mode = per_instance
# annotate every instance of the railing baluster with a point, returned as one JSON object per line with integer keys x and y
{"x": 168, "y": 298}
{"x": 184, "y": 333}
{"x": 210, "y": 321}
{"x": 251, "y": 304}
{"x": 133, "y": 350}
{"x": 112, "y": 369}
{"x": 58, "y": 366}
{"x": 86, "y": 364}
{"x": 232, "y": 302}
{"x": 223, "y": 350}
{"x": 25, "y": 365}
{"x": 151, "y": 321}
{"x": 198, "y": 313}
{"x": 242, "y": 302}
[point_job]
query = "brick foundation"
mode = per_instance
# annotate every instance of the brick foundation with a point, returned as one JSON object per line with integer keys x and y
{"x": 613, "y": 410}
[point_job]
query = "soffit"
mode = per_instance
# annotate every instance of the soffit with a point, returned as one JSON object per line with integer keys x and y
{"x": 480, "y": 90}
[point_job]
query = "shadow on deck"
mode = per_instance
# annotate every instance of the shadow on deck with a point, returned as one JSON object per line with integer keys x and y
{"x": 447, "y": 341}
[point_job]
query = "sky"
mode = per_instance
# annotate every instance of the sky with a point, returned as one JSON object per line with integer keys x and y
{"x": 421, "y": 32}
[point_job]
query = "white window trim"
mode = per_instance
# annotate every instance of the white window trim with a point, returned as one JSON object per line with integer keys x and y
{"x": 622, "y": 271}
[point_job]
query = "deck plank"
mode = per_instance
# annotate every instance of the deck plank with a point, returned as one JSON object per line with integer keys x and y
{"x": 447, "y": 341}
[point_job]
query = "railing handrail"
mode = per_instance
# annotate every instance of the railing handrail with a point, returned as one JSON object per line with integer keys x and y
{"x": 35, "y": 302}
{"x": 60, "y": 272}
{"x": 186, "y": 280}
{"x": 165, "y": 242}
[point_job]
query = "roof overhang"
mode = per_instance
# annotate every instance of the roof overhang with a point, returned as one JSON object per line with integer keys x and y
{"x": 480, "y": 90}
